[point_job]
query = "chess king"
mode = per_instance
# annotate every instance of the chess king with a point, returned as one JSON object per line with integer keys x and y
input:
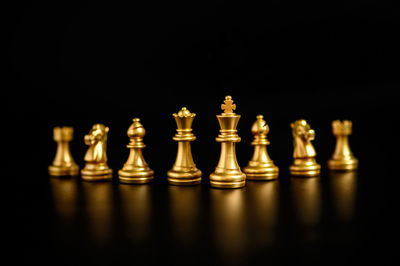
{"x": 227, "y": 173}
{"x": 136, "y": 170}
{"x": 304, "y": 153}
{"x": 184, "y": 171}
{"x": 96, "y": 168}
{"x": 260, "y": 167}
{"x": 63, "y": 163}
{"x": 342, "y": 158}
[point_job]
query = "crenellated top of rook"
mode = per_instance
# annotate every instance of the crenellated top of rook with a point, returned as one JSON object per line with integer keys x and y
{"x": 341, "y": 127}
{"x": 63, "y": 134}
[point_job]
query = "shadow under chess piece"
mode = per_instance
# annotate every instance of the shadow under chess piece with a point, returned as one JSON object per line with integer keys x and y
{"x": 260, "y": 167}
{"x": 184, "y": 171}
{"x": 136, "y": 170}
{"x": 342, "y": 158}
{"x": 63, "y": 163}
{"x": 227, "y": 173}
{"x": 304, "y": 163}
{"x": 96, "y": 168}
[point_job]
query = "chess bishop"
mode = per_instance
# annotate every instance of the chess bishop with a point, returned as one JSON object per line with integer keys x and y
{"x": 260, "y": 167}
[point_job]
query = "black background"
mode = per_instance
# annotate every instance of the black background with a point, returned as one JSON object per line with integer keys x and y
{"x": 80, "y": 63}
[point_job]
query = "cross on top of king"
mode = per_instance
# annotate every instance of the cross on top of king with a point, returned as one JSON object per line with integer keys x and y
{"x": 228, "y": 105}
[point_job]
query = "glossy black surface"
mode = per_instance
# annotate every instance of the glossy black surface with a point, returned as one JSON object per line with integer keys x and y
{"x": 85, "y": 62}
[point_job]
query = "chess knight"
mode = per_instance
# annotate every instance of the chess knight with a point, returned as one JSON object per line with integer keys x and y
{"x": 342, "y": 158}
{"x": 184, "y": 171}
{"x": 260, "y": 167}
{"x": 304, "y": 153}
{"x": 63, "y": 163}
{"x": 136, "y": 170}
{"x": 96, "y": 168}
{"x": 227, "y": 173}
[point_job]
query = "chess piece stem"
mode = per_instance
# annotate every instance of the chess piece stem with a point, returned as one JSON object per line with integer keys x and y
{"x": 184, "y": 171}
{"x": 304, "y": 163}
{"x": 260, "y": 167}
{"x": 227, "y": 173}
{"x": 342, "y": 158}
{"x": 136, "y": 170}
{"x": 63, "y": 163}
{"x": 96, "y": 168}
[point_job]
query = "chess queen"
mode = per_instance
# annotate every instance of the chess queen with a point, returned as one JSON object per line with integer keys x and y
{"x": 304, "y": 154}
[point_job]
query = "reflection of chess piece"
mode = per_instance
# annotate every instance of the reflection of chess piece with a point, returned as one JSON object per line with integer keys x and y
{"x": 342, "y": 158}
{"x": 260, "y": 167}
{"x": 304, "y": 153}
{"x": 63, "y": 163}
{"x": 136, "y": 170}
{"x": 343, "y": 186}
{"x": 96, "y": 168}
{"x": 184, "y": 171}
{"x": 227, "y": 173}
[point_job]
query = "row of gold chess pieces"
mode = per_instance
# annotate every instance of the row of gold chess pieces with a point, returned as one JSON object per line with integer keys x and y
{"x": 184, "y": 172}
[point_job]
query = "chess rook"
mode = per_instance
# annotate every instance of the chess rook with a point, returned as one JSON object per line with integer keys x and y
{"x": 304, "y": 163}
{"x": 227, "y": 173}
{"x": 96, "y": 168}
{"x": 136, "y": 170}
{"x": 260, "y": 167}
{"x": 342, "y": 158}
{"x": 184, "y": 171}
{"x": 63, "y": 163}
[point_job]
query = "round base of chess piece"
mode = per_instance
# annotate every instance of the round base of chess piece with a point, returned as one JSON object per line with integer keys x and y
{"x": 257, "y": 172}
{"x": 136, "y": 176}
{"x": 344, "y": 164}
{"x": 96, "y": 173}
{"x": 305, "y": 167}
{"x": 59, "y": 171}
{"x": 181, "y": 178}
{"x": 225, "y": 180}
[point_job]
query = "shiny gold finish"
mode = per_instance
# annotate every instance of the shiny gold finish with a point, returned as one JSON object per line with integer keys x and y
{"x": 136, "y": 170}
{"x": 96, "y": 168}
{"x": 227, "y": 173}
{"x": 184, "y": 171}
{"x": 304, "y": 153}
{"x": 342, "y": 158}
{"x": 63, "y": 163}
{"x": 260, "y": 167}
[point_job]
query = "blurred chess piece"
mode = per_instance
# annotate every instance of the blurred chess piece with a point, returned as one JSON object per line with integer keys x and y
{"x": 63, "y": 163}
{"x": 96, "y": 168}
{"x": 342, "y": 158}
{"x": 260, "y": 167}
{"x": 304, "y": 154}
{"x": 227, "y": 173}
{"x": 184, "y": 171}
{"x": 136, "y": 170}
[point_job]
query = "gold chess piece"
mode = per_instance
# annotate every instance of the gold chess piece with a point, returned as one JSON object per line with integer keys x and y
{"x": 136, "y": 170}
{"x": 342, "y": 158}
{"x": 260, "y": 167}
{"x": 304, "y": 153}
{"x": 96, "y": 168}
{"x": 63, "y": 163}
{"x": 227, "y": 173}
{"x": 184, "y": 171}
